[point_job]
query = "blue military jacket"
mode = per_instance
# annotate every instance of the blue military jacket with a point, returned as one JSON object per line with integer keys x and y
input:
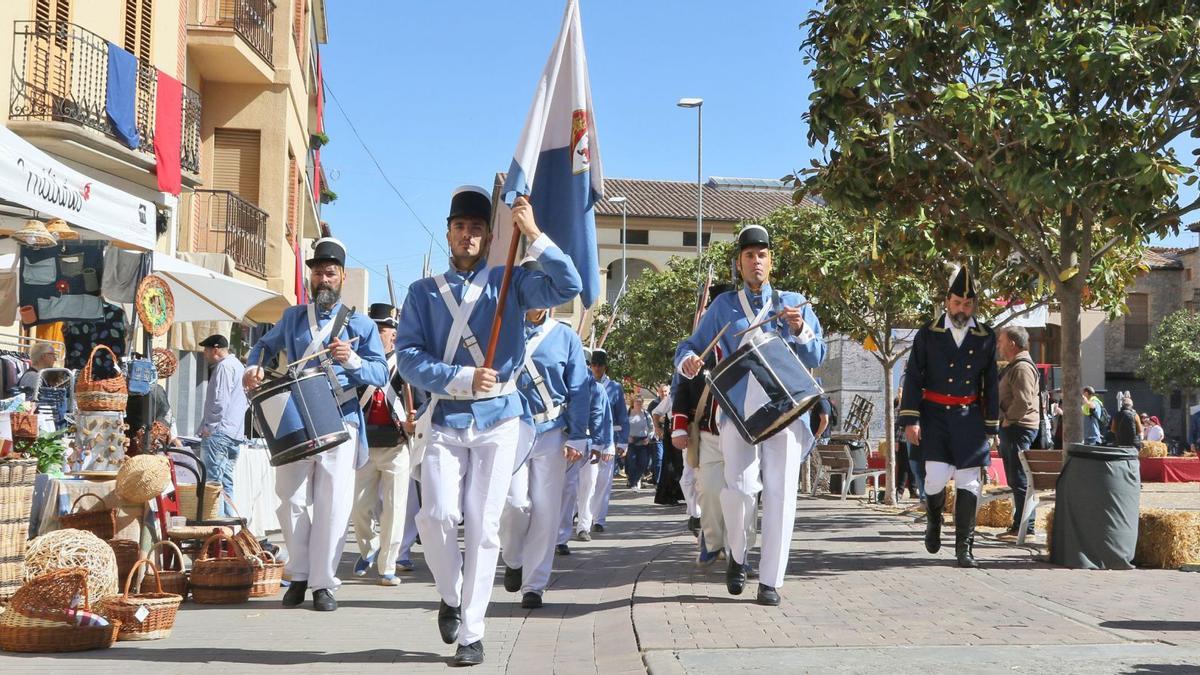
{"x": 559, "y": 362}
{"x": 618, "y": 413}
{"x": 937, "y": 364}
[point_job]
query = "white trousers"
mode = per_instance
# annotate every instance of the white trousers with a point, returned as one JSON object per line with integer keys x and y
{"x": 570, "y": 498}
{"x": 529, "y": 524}
{"x": 324, "y": 483}
{"x": 687, "y": 483}
{"x": 380, "y": 495}
{"x": 777, "y": 461}
{"x": 710, "y": 481}
{"x": 937, "y": 474}
{"x": 464, "y": 477}
{"x": 595, "y": 486}
{"x": 410, "y": 519}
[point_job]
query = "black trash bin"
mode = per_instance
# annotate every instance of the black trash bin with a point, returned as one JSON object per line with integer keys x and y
{"x": 1096, "y": 508}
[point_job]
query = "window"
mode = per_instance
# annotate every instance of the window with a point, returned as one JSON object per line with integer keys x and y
{"x": 1137, "y": 322}
{"x": 641, "y": 237}
{"x": 139, "y": 26}
{"x": 689, "y": 238}
{"x": 235, "y": 162}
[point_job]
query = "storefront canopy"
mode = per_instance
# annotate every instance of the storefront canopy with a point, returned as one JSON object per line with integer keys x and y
{"x": 37, "y": 181}
{"x": 204, "y": 295}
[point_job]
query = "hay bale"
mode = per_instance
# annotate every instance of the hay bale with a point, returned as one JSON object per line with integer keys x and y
{"x": 996, "y": 513}
{"x": 883, "y": 450}
{"x": 1153, "y": 449}
{"x": 1047, "y": 526}
{"x": 63, "y": 549}
{"x": 1167, "y": 539}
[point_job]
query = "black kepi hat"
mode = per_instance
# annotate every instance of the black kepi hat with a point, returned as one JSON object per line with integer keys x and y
{"x": 753, "y": 235}
{"x": 327, "y": 249}
{"x": 383, "y": 314}
{"x": 471, "y": 201}
{"x": 599, "y": 358}
{"x": 963, "y": 283}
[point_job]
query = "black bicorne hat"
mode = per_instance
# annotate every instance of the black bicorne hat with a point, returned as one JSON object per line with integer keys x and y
{"x": 963, "y": 284}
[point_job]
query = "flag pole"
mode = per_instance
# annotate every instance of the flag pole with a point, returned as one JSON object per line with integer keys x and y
{"x": 505, "y": 283}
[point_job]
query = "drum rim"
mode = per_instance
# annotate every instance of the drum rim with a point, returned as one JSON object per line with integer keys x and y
{"x": 320, "y": 441}
{"x": 287, "y": 379}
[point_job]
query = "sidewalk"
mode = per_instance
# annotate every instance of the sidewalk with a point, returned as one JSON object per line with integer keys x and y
{"x": 861, "y": 596}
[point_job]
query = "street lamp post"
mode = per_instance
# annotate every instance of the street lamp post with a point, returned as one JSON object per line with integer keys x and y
{"x": 624, "y": 238}
{"x": 698, "y": 104}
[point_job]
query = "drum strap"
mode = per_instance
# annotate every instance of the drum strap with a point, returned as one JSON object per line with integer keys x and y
{"x": 552, "y": 411}
{"x": 757, "y": 318}
{"x": 319, "y": 337}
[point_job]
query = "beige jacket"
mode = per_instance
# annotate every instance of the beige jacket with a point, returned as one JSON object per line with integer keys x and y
{"x": 1019, "y": 393}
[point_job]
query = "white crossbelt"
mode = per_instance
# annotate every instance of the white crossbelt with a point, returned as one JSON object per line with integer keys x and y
{"x": 388, "y": 391}
{"x": 552, "y": 411}
{"x": 460, "y": 332}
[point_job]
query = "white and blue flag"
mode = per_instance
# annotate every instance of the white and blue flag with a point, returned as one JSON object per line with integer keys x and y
{"x": 557, "y": 162}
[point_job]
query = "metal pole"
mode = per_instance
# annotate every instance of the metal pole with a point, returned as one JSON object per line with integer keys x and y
{"x": 624, "y": 243}
{"x": 699, "y": 180}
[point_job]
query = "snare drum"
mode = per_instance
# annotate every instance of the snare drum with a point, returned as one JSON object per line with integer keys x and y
{"x": 298, "y": 415}
{"x": 763, "y": 387}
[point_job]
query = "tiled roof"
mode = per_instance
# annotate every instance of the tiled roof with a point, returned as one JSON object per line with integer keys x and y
{"x": 1164, "y": 258}
{"x": 677, "y": 199}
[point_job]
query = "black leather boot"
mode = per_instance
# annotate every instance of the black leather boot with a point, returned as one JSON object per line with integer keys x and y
{"x": 735, "y": 576}
{"x": 965, "y": 503}
{"x": 934, "y": 504}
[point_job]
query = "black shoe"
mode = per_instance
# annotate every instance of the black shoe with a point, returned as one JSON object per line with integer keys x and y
{"x": 468, "y": 655}
{"x": 965, "y": 503}
{"x": 323, "y": 600}
{"x": 562, "y": 549}
{"x": 933, "y": 520}
{"x": 449, "y": 619}
{"x": 531, "y": 600}
{"x": 512, "y": 579}
{"x": 294, "y": 597}
{"x": 767, "y": 596}
{"x": 735, "y": 576}
{"x": 598, "y": 528}
{"x": 694, "y": 525}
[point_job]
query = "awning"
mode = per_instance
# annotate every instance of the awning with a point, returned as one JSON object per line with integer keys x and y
{"x": 37, "y": 181}
{"x": 204, "y": 295}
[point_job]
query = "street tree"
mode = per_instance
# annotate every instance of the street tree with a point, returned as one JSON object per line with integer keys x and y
{"x": 1171, "y": 361}
{"x": 1043, "y": 129}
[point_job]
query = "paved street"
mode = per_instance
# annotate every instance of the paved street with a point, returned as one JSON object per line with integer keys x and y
{"x": 861, "y": 596}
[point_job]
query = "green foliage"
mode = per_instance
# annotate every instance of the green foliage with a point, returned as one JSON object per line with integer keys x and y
{"x": 47, "y": 449}
{"x": 1171, "y": 362}
{"x": 328, "y": 196}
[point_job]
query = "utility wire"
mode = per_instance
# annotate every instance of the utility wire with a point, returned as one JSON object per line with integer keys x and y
{"x": 374, "y": 161}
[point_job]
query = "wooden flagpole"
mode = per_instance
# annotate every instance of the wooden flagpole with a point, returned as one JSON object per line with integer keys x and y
{"x": 505, "y": 283}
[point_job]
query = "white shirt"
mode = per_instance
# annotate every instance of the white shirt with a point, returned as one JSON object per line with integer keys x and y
{"x": 1154, "y": 432}
{"x": 959, "y": 334}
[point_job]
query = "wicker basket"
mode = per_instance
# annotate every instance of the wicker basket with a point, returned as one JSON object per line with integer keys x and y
{"x": 223, "y": 579}
{"x": 128, "y": 552}
{"x": 172, "y": 581}
{"x": 40, "y": 617}
{"x": 188, "y": 503}
{"x": 17, "y": 472}
{"x": 165, "y": 362}
{"x": 160, "y": 609}
{"x": 16, "y": 504}
{"x": 143, "y": 478}
{"x": 96, "y": 395}
{"x": 24, "y": 425}
{"x": 101, "y": 522}
{"x": 268, "y": 575}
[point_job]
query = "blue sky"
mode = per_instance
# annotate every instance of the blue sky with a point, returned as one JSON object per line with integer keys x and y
{"x": 439, "y": 91}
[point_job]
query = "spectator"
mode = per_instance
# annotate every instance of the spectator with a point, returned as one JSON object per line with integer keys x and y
{"x": 1154, "y": 431}
{"x": 818, "y": 418}
{"x": 1019, "y": 393}
{"x": 1126, "y": 425}
{"x": 222, "y": 427}
{"x": 1093, "y": 417}
{"x": 41, "y": 357}
{"x": 642, "y": 441}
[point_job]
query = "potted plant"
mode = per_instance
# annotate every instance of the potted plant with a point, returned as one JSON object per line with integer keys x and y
{"x": 48, "y": 450}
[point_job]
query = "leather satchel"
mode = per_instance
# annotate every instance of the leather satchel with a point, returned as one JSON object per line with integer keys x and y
{"x": 693, "y": 449}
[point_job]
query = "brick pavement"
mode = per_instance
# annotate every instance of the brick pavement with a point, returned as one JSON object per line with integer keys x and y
{"x": 861, "y": 595}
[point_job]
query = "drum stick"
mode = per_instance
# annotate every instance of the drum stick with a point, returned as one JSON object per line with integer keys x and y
{"x": 767, "y": 320}
{"x": 323, "y": 352}
{"x": 408, "y": 403}
{"x": 709, "y": 348}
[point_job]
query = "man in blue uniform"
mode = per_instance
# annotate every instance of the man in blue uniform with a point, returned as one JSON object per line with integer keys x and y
{"x": 471, "y": 427}
{"x": 951, "y": 410}
{"x": 554, "y": 382}
{"x": 598, "y": 476}
{"x": 323, "y": 482}
{"x": 778, "y": 459}
{"x": 581, "y": 475}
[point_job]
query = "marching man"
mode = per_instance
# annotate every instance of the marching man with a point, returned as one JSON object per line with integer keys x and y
{"x": 324, "y": 482}
{"x": 554, "y": 381}
{"x": 778, "y": 458}
{"x": 596, "y": 479}
{"x": 580, "y": 481}
{"x": 951, "y": 409}
{"x": 471, "y": 427}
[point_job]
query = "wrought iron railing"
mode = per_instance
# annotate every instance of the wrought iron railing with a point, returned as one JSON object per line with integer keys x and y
{"x": 235, "y": 227}
{"x": 60, "y": 74}
{"x": 253, "y": 20}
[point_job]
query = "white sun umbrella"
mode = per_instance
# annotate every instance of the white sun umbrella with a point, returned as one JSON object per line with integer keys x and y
{"x": 205, "y": 295}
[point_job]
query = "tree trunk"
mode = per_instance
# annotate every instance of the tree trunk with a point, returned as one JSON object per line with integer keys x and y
{"x": 1070, "y": 301}
{"x": 889, "y": 431}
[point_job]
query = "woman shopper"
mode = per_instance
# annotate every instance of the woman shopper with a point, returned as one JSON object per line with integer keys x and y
{"x": 641, "y": 443}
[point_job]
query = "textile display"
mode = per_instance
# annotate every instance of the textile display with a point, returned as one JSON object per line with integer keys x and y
{"x": 62, "y": 282}
{"x": 80, "y": 336}
{"x": 123, "y": 271}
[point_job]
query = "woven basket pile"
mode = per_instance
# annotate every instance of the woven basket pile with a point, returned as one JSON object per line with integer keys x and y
{"x": 16, "y": 503}
{"x": 42, "y": 616}
{"x": 154, "y": 622}
{"x": 222, "y": 578}
{"x": 268, "y": 573}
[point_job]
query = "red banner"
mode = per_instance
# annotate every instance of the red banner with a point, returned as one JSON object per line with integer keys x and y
{"x": 168, "y": 133}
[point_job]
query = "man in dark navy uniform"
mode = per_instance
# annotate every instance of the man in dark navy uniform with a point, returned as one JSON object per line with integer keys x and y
{"x": 951, "y": 409}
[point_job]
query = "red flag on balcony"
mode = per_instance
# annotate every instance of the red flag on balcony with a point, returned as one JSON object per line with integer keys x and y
{"x": 168, "y": 133}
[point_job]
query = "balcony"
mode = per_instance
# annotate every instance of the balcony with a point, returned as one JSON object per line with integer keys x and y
{"x": 232, "y": 40}
{"x": 59, "y": 90}
{"x": 231, "y": 225}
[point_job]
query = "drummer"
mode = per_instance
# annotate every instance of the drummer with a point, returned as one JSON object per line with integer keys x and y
{"x": 324, "y": 482}
{"x": 780, "y": 456}
{"x": 473, "y": 421}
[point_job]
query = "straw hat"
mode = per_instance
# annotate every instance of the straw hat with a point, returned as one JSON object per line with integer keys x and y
{"x": 35, "y": 235}
{"x": 59, "y": 228}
